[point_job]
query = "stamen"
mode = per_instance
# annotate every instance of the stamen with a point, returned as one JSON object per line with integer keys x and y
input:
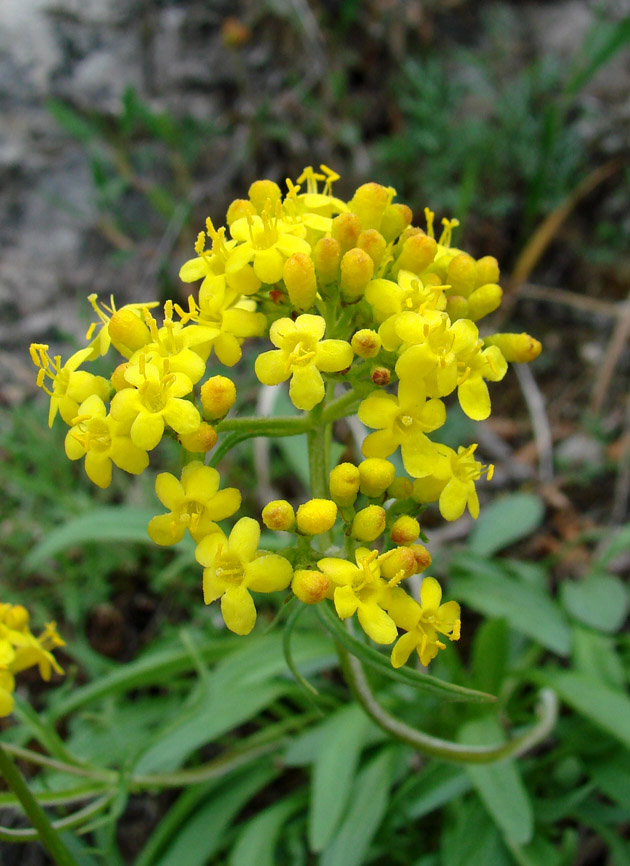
{"x": 429, "y": 217}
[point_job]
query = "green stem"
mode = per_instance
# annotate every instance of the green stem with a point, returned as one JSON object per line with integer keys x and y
{"x": 342, "y": 406}
{"x": 252, "y": 426}
{"x": 448, "y": 751}
{"x": 316, "y": 439}
{"x": 39, "y": 819}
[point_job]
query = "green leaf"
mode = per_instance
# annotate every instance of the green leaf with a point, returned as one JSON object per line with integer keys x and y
{"x": 489, "y": 655}
{"x": 618, "y": 543}
{"x": 256, "y": 844}
{"x": 606, "y": 708}
{"x": 71, "y": 120}
{"x": 205, "y": 832}
{"x": 600, "y": 600}
{"x": 505, "y": 521}
{"x": 334, "y": 772}
{"x": 499, "y": 785}
{"x": 471, "y": 839}
{"x": 437, "y": 784}
{"x": 595, "y": 656}
{"x": 611, "y": 776}
{"x": 602, "y": 43}
{"x": 526, "y": 608}
{"x": 368, "y": 805}
{"x": 114, "y": 523}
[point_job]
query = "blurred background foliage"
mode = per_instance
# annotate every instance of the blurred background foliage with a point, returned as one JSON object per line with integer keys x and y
{"x": 127, "y": 124}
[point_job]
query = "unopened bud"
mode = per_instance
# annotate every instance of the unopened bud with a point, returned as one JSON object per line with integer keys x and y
{"x": 218, "y": 395}
{"x": 423, "y": 557}
{"x": 201, "y": 440}
{"x": 234, "y": 33}
{"x": 461, "y": 274}
{"x": 381, "y": 376}
{"x": 239, "y": 209}
{"x": 369, "y": 523}
{"x": 484, "y": 300}
{"x": 374, "y": 245}
{"x": 299, "y": 278}
{"x": 128, "y": 332}
{"x": 310, "y": 587}
{"x": 16, "y": 617}
{"x": 118, "y": 377}
{"x": 344, "y": 483}
{"x": 278, "y": 515}
{"x": 369, "y": 203}
{"x": 262, "y": 191}
{"x": 316, "y": 516}
{"x": 366, "y": 343}
{"x": 395, "y": 220}
{"x": 357, "y": 269}
{"x": 520, "y": 348}
{"x": 487, "y": 270}
{"x": 326, "y": 257}
{"x": 376, "y": 475}
{"x": 405, "y": 530}
{"x": 418, "y": 251}
{"x": 397, "y": 564}
{"x": 345, "y": 229}
{"x": 456, "y": 307}
{"x": 400, "y": 488}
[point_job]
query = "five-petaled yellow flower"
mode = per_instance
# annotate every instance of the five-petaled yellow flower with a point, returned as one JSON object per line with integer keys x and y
{"x": 422, "y": 622}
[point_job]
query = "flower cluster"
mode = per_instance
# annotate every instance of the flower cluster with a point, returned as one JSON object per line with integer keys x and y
{"x": 366, "y": 314}
{"x": 20, "y": 649}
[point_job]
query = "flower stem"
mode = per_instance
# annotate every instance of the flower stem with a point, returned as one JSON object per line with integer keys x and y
{"x": 39, "y": 819}
{"x": 448, "y": 751}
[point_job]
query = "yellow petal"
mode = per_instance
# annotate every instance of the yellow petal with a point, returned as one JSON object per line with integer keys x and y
{"x": 307, "y": 387}
{"x": 128, "y": 456}
{"x": 419, "y": 455}
{"x": 268, "y": 573}
{"x": 199, "y": 482}
{"x": 311, "y": 326}
{"x": 453, "y": 499}
{"x": 244, "y": 538}
{"x": 340, "y": 571}
{"x": 164, "y": 530}
{"x": 272, "y": 368}
{"x": 98, "y": 468}
{"x": 376, "y": 623}
{"x": 474, "y": 398}
{"x": 228, "y": 349}
{"x": 182, "y": 415}
{"x": 244, "y": 323}
{"x": 193, "y": 269}
{"x": 206, "y": 550}
{"x": 346, "y": 601}
{"x": 378, "y": 411}
{"x": 223, "y": 504}
{"x": 333, "y": 355}
{"x": 430, "y": 594}
{"x": 403, "y": 648}
{"x": 212, "y": 588}
{"x": 281, "y": 330}
{"x": 238, "y": 609}
{"x": 147, "y": 430}
{"x": 6, "y": 703}
{"x": 268, "y": 265}
{"x": 382, "y": 443}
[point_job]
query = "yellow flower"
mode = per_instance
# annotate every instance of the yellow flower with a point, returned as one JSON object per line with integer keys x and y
{"x": 210, "y": 264}
{"x": 70, "y": 386}
{"x": 403, "y": 420}
{"x": 265, "y": 240}
{"x": 223, "y": 318}
{"x": 20, "y": 649}
{"x": 194, "y": 504}
{"x": 472, "y": 391}
{"x": 102, "y": 440}
{"x": 452, "y": 482}
{"x": 155, "y": 400}
{"x": 100, "y": 343}
{"x": 359, "y": 588}
{"x": 408, "y": 294}
{"x": 301, "y": 355}
{"x": 423, "y": 622}
{"x": 186, "y": 347}
{"x": 234, "y": 566}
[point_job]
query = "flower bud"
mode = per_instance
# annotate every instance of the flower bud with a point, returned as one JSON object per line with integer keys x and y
{"x": 369, "y": 523}
{"x": 278, "y": 515}
{"x": 263, "y": 190}
{"x": 484, "y": 300}
{"x": 397, "y": 564}
{"x": 521, "y": 348}
{"x": 366, "y": 343}
{"x": 456, "y": 307}
{"x": 299, "y": 278}
{"x": 376, "y": 475}
{"x": 374, "y": 245}
{"x": 344, "y": 483}
{"x": 400, "y": 488}
{"x": 461, "y": 274}
{"x": 418, "y": 251}
{"x": 201, "y": 440}
{"x": 423, "y": 557}
{"x": 316, "y": 516}
{"x": 128, "y": 332}
{"x": 357, "y": 269}
{"x": 218, "y": 395}
{"x": 395, "y": 220}
{"x": 310, "y": 587}
{"x": 405, "y": 530}
{"x": 16, "y": 617}
{"x": 239, "y": 209}
{"x": 234, "y": 33}
{"x": 118, "y": 377}
{"x": 326, "y": 257}
{"x": 381, "y": 376}
{"x": 345, "y": 229}
{"x": 487, "y": 270}
{"x": 369, "y": 203}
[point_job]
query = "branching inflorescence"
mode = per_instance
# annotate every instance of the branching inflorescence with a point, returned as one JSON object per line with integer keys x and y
{"x": 367, "y": 315}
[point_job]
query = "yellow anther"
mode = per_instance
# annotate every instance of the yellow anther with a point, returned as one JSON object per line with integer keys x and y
{"x": 429, "y": 217}
{"x": 407, "y": 420}
{"x": 447, "y": 231}
{"x": 200, "y": 243}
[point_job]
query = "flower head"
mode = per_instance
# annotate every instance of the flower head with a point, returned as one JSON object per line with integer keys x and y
{"x": 68, "y": 386}
{"x": 423, "y": 622}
